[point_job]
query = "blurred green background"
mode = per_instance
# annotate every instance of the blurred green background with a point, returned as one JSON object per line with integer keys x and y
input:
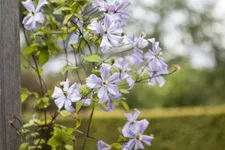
{"x": 192, "y": 35}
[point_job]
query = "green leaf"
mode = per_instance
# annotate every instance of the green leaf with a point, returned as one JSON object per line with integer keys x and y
{"x": 122, "y": 139}
{"x": 124, "y": 104}
{"x": 29, "y": 50}
{"x": 117, "y": 146}
{"x": 93, "y": 58}
{"x": 79, "y": 104}
{"x": 24, "y": 146}
{"x": 39, "y": 141}
{"x": 65, "y": 113}
{"x": 24, "y": 94}
{"x": 67, "y": 18}
{"x": 78, "y": 122}
{"x": 68, "y": 67}
{"x": 53, "y": 141}
{"x": 124, "y": 91}
{"x": 68, "y": 147}
{"x": 59, "y": 10}
{"x": 43, "y": 57}
{"x": 23, "y": 97}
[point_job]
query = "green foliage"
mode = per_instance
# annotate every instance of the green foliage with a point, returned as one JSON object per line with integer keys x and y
{"x": 93, "y": 58}
{"x": 67, "y": 68}
{"x": 61, "y": 137}
{"x": 24, "y": 146}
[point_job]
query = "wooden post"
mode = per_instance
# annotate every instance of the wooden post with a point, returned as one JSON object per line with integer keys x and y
{"x": 9, "y": 73}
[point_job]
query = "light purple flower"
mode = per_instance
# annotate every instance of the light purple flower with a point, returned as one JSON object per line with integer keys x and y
{"x": 100, "y": 4}
{"x": 35, "y": 15}
{"x": 106, "y": 83}
{"x": 137, "y": 42}
{"x": 155, "y": 74}
{"x": 111, "y": 33}
{"x": 136, "y": 136}
{"x": 154, "y": 56}
{"x": 136, "y": 58}
{"x": 132, "y": 123}
{"x": 102, "y": 145}
{"x": 67, "y": 95}
{"x": 110, "y": 104}
{"x": 120, "y": 8}
{"x": 118, "y": 11}
{"x": 123, "y": 67}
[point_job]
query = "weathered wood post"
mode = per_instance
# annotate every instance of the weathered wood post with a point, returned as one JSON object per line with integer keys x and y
{"x": 9, "y": 73}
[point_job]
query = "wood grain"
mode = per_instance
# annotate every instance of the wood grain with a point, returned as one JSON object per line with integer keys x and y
{"x": 9, "y": 73}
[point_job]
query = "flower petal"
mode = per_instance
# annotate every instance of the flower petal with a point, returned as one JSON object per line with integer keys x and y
{"x": 103, "y": 95}
{"x": 93, "y": 81}
{"x": 60, "y": 102}
{"x": 29, "y": 5}
{"x": 41, "y": 3}
{"x": 105, "y": 71}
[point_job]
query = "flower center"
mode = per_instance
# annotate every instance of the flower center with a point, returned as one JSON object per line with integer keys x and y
{"x": 159, "y": 54}
{"x": 138, "y": 137}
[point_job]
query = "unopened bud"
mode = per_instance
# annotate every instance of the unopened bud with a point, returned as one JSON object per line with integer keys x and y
{"x": 143, "y": 34}
{"x": 176, "y": 67}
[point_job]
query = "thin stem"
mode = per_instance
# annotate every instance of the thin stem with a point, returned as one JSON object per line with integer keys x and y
{"x": 88, "y": 128}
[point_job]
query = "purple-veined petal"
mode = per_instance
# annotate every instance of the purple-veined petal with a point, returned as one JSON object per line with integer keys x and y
{"x": 130, "y": 144}
{"x": 68, "y": 106}
{"x": 105, "y": 71}
{"x": 93, "y": 81}
{"x": 128, "y": 133}
{"x": 65, "y": 84}
{"x": 113, "y": 89}
{"x": 130, "y": 82}
{"x": 146, "y": 139}
{"x": 102, "y": 145}
{"x": 107, "y": 22}
{"x": 103, "y": 95}
{"x": 96, "y": 27}
{"x": 57, "y": 92}
{"x": 161, "y": 81}
{"x": 60, "y": 102}
{"x": 136, "y": 114}
{"x": 41, "y": 3}
{"x": 143, "y": 125}
{"x": 29, "y": 5}
{"x": 39, "y": 17}
{"x": 105, "y": 44}
{"x": 115, "y": 78}
{"x": 115, "y": 40}
{"x": 138, "y": 145}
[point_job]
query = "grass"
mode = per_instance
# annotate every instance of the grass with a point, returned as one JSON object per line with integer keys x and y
{"x": 194, "y": 128}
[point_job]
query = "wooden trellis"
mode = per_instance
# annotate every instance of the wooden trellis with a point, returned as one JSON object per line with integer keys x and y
{"x": 9, "y": 73}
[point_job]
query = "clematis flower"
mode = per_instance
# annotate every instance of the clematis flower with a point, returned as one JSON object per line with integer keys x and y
{"x": 106, "y": 83}
{"x": 110, "y": 31}
{"x": 120, "y": 8}
{"x": 136, "y": 58}
{"x": 138, "y": 43}
{"x": 132, "y": 123}
{"x": 136, "y": 136}
{"x": 118, "y": 11}
{"x": 35, "y": 15}
{"x": 124, "y": 68}
{"x": 110, "y": 103}
{"x": 155, "y": 74}
{"x": 67, "y": 95}
{"x": 154, "y": 56}
{"x": 102, "y": 145}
